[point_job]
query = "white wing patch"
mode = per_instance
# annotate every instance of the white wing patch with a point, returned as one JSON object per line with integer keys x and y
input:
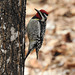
{"x": 39, "y": 29}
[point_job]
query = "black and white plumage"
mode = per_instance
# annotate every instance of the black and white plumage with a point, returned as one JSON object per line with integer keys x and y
{"x": 36, "y": 30}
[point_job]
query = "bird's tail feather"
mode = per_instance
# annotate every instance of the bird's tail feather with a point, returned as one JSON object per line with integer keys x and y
{"x": 30, "y": 51}
{"x": 36, "y": 53}
{"x": 27, "y": 54}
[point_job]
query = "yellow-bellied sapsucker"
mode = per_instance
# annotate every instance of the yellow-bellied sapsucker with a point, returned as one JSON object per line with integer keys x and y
{"x": 36, "y": 30}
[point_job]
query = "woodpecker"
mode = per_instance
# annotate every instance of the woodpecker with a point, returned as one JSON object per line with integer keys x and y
{"x": 36, "y": 30}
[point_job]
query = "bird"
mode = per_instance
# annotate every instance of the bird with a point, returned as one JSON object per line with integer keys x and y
{"x": 36, "y": 30}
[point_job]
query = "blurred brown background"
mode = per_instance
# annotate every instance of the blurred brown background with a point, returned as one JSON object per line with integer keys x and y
{"x": 57, "y": 54}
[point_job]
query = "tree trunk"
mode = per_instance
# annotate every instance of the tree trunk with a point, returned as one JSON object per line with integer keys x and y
{"x": 12, "y": 37}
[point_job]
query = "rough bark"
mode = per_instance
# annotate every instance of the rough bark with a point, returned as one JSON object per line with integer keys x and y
{"x": 12, "y": 37}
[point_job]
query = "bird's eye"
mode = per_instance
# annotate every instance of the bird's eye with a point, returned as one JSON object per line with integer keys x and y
{"x": 47, "y": 14}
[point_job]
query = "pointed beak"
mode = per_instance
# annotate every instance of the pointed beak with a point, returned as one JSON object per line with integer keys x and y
{"x": 37, "y": 10}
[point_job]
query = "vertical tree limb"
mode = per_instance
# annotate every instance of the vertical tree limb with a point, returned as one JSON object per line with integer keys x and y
{"x": 12, "y": 37}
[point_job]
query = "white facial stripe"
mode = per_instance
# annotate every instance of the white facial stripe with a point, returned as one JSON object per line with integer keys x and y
{"x": 45, "y": 15}
{"x": 43, "y": 19}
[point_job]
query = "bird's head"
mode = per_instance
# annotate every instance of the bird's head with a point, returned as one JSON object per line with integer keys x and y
{"x": 41, "y": 14}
